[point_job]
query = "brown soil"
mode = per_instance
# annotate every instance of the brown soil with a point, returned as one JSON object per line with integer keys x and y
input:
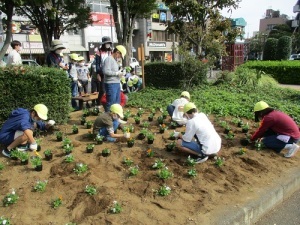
{"x": 192, "y": 200}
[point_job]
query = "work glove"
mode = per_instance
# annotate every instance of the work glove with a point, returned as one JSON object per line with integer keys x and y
{"x": 90, "y": 79}
{"x": 33, "y": 146}
{"x": 75, "y": 79}
{"x": 51, "y": 122}
{"x": 79, "y": 84}
{"x": 176, "y": 134}
{"x": 127, "y": 135}
{"x": 119, "y": 73}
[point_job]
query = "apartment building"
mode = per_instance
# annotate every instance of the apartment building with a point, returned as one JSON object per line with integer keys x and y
{"x": 271, "y": 19}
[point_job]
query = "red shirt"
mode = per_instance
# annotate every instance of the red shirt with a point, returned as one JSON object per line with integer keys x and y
{"x": 122, "y": 103}
{"x": 278, "y": 122}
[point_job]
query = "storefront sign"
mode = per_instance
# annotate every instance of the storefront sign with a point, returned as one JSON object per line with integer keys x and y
{"x": 157, "y": 44}
{"x": 32, "y": 45}
{"x": 102, "y": 19}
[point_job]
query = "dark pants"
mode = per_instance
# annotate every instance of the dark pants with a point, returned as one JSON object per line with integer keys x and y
{"x": 170, "y": 109}
{"x": 84, "y": 86}
{"x": 74, "y": 90}
{"x": 97, "y": 86}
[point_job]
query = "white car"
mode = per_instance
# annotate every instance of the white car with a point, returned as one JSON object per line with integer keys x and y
{"x": 294, "y": 56}
{"x": 134, "y": 62}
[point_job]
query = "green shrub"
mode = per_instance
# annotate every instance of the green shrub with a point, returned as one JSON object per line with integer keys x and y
{"x": 284, "y": 48}
{"x": 32, "y": 85}
{"x": 270, "y": 49}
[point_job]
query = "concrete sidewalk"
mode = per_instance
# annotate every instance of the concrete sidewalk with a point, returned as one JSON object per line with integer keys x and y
{"x": 266, "y": 199}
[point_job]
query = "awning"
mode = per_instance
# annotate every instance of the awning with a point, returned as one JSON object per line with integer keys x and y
{"x": 77, "y": 48}
{"x": 28, "y": 51}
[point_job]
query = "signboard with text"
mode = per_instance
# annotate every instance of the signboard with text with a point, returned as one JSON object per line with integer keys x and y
{"x": 102, "y": 19}
{"x": 156, "y": 44}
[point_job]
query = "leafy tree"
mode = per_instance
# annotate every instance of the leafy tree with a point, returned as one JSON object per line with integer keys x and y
{"x": 54, "y": 17}
{"x": 130, "y": 10}
{"x": 284, "y": 48}
{"x": 7, "y": 7}
{"x": 200, "y": 23}
{"x": 270, "y": 49}
{"x": 280, "y": 31}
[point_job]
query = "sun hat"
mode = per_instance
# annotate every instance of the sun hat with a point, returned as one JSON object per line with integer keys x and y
{"x": 41, "y": 110}
{"x": 188, "y": 106}
{"x": 105, "y": 40}
{"x": 56, "y": 44}
{"x": 123, "y": 80}
{"x": 117, "y": 109}
{"x": 121, "y": 49}
{"x": 80, "y": 58}
{"x": 185, "y": 94}
{"x": 135, "y": 80}
{"x": 260, "y": 106}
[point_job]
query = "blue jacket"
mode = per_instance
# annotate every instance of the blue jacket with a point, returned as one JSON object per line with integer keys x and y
{"x": 18, "y": 120}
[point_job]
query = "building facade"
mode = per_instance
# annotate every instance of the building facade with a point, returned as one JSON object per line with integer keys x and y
{"x": 271, "y": 19}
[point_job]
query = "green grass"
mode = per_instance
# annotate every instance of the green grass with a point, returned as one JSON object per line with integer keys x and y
{"x": 224, "y": 99}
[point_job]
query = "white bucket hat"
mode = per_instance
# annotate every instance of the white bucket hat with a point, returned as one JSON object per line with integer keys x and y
{"x": 56, "y": 44}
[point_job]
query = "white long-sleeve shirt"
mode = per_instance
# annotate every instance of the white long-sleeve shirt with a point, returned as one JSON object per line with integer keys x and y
{"x": 14, "y": 58}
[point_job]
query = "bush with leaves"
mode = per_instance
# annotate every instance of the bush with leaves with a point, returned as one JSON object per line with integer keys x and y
{"x": 270, "y": 49}
{"x": 284, "y": 48}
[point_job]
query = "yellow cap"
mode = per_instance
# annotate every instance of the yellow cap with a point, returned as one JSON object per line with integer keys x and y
{"x": 80, "y": 58}
{"x": 74, "y": 56}
{"x": 121, "y": 49}
{"x": 260, "y": 106}
{"x": 123, "y": 80}
{"x": 185, "y": 94}
{"x": 188, "y": 106}
{"x": 135, "y": 80}
{"x": 41, "y": 110}
{"x": 117, "y": 109}
{"x": 129, "y": 83}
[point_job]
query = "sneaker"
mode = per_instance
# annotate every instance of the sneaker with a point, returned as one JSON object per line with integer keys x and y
{"x": 201, "y": 160}
{"x": 6, "y": 153}
{"x": 292, "y": 151}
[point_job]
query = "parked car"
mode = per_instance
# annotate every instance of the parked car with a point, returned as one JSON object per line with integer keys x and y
{"x": 134, "y": 62}
{"x": 30, "y": 62}
{"x": 294, "y": 57}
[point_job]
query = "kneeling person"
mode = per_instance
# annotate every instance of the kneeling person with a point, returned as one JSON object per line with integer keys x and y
{"x": 198, "y": 127}
{"x": 107, "y": 124}
{"x": 18, "y": 128}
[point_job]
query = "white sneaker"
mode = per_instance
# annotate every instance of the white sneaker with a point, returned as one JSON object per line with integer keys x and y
{"x": 201, "y": 159}
{"x": 292, "y": 151}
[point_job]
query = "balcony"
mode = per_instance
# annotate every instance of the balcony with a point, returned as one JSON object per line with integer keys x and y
{"x": 295, "y": 23}
{"x": 296, "y": 8}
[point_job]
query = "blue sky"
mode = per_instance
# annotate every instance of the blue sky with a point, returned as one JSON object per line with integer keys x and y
{"x": 253, "y": 10}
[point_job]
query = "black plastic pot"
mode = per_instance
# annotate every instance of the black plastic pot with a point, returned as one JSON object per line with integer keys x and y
{"x": 137, "y": 122}
{"x": 89, "y": 150}
{"x": 169, "y": 148}
{"x": 226, "y": 131}
{"x": 39, "y": 148}
{"x": 161, "y": 131}
{"x": 38, "y": 168}
{"x": 24, "y": 162}
{"x": 88, "y": 126}
{"x": 75, "y": 131}
{"x": 99, "y": 142}
{"x": 49, "y": 157}
{"x": 105, "y": 154}
{"x": 150, "y": 119}
{"x": 141, "y": 136}
{"x": 59, "y": 138}
{"x": 244, "y": 142}
{"x": 245, "y": 130}
{"x": 150, "y": 141}
{"x": 130, "y": 144}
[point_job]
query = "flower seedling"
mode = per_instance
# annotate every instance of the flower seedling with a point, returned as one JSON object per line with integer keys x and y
{"x": 67, "y": 141}
{"x": 1, "y": 166}
{"x": 40, "y": 186}
{"x": 130, "y": 141}
{"x": 165, "y": 113}
{"x": 10, "y": 198}
{"x": 223, "y": 123}
{"x": 229, "y": 135}
{"x": 23, "y": 156}
{"x": 85, "y": 112}
{"x": 242, "y": 151}
{"x": 173, "y": 125}
{"x": 164, "y": 190}
{"x": 48, "y": 152}
{"x": 245, "y": 127}
{"x": 162, "y": 128}
{"x": 59, "y": 135}
{"x": 164, "y": 173}
{"x": 95, "y": 111}
{"x": 172, "y": 135}
{"x": 89, "y": 124}
{"x": 150, "y": 136}
{"x": 99, "y": 139}
{"x": 158, "y": 164}
{"x": 75, "y": 129}
{"x": 116, "y": 208}
{"x": 14, "y": 154}
{"x": 219, "y": 161}
{"x": 150, "y": 153}
{"x": 192, "y": 172}
{"x": 68, "y": 149}
{"x": 83, "y": 120}
{"x": 90, "y": 190}
{"x": 4, "y": 220}
{"x": 80, "y": 168}
{"x": 150, "y": 117}
{"x": 190, "y": 161}
{"x": 38, "y": 142}
{"x": 137, "y": 119}
{"x": 160, "y": 120}
{"x": 143, "y": 133}
{"x": 36, "y": 161}
{"x": 127, "y": 114}
{"x": 259, "y": 145}
{"x": 127, "y": 161}
{"x": 146, "y": 124}
{"x": 69, "y": 158}
{"x": 140, "y": 111}
{"x": 56, "y": 202}
{"x": 170, "y": 146}
{"x": 90, "y": 148}
{"x": 133, "y": 171}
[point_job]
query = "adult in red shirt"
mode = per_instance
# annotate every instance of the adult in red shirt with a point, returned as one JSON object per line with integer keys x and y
{"x": 277, "y": 130}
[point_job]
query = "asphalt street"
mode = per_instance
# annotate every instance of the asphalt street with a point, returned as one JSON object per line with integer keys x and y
{"x": 287, "y": 213}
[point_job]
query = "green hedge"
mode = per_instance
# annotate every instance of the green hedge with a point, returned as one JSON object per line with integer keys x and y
{"x": 284, "y": 48}
{"x": 270, "y": 49}
{"x": 285, "y": 72}
{"x": 31, "y": 85}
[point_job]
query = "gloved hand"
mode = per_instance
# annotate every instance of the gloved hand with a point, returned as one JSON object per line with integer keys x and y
{"x": 124, "y": 72}
{"x": 90, "y": 79}
{"x": 119, "y": 73}
{"x": 79, "y": 84}
{"x": 75, "y": 79}
{"x": 33, "y": 146}
{"x": 51, "y": 122}
{"x": 176, "y": 134}
{"x": 127, "y": 135}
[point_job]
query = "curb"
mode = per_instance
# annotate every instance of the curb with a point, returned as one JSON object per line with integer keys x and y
{"x": 271, "y": 196}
